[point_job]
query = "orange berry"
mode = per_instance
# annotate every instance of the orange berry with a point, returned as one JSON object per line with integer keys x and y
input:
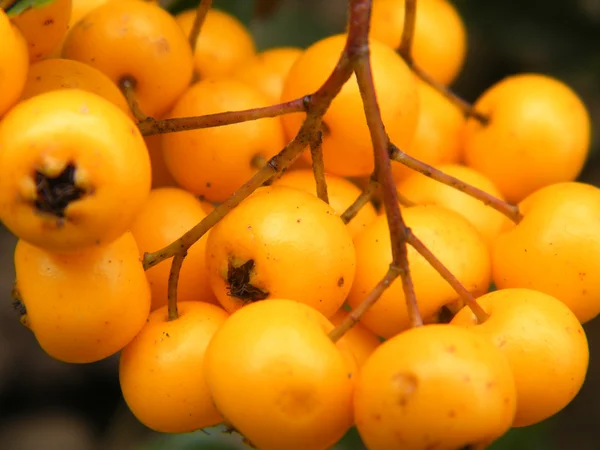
{"x": 215, "y": 162}
{"x": 44, "y": 27}
{"x": 341, "y": 193}
{"x": 161, "y": 177}
{"x": 449, "y": 236}
{"x": 436, "y": 386}
{"x": 79, "y": 9}
{"x": 268, "y": 70}
{"x": 139, "y": 41}
{"x": 167, "y": 214}
{"x": 281, "y": 243}
{"x": 14, "y": 63}
{"x": 208, "y": 207}
{"x": 545, "y": 345}
{"x": 535, "y": 122}
{"x": 347, "y": 147}
{"x": 555, "y": 249}
{"x": 276, "y": 376}
{"x": 161, "y": 370}
{"x": 223, "y": 43}
{"x": 439, "y": 42}
{"x": 361, "y": 341}
{"x": 79, "y": 170}
{"x": 423, "y": 190}
{"x": 440, "y": 132}
{"x": 83, "y": 306}
{"x": 53, "y": 74}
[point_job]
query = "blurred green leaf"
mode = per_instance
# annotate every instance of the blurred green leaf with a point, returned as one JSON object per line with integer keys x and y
{"x": 23, "y": 5}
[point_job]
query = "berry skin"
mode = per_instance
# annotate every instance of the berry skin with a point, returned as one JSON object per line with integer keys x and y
{"x": 44, "y": 27}
{"x": 340, "y": 191}
{"x": 137, "y": 41}
{"x": 160, "y": 371}
{"x": 439, "y": 138}
{"x": 347, "y": 147}
{"x": 555, "y": 249}
{"x": 53, "y": 74}
{"x": 223, "y": 43}
{"x": 72, "y": 156}
{"x": 14, "y": 63}
{"x": 277, "y": 377}
{"x": 281, "y": 242}
{"x": 436, "y": 386}
{"x": 449, "y": 236}
{"x": 440, "y": 39}
{"x": 268, "y": 70}
{"x": 83, "y": 306}
{"x": 167, "y": 214}
{"x": 544, "y": 343}
{"x": 538, "y": 134}
{"x": 215, "y": 162}
{"x": 423, "y": 190}
{"x": 361, "y": 341}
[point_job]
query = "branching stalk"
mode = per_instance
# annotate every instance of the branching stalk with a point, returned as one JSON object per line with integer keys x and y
{"x": 363, "y": 198}
{"x": 177, "y": 124}
{"x": 201, "y": 12}
{"x": 462, "y": 292}
{"x": 408, "y": 31}
{"x": 318, "y": 166}
{"x": 509, "y": 210}
{"x": 127, "y": 86}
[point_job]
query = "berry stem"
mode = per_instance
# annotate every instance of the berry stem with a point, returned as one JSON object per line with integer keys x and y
{"x": 509, "y": 210}
{"x": 354, "y": 316}
{"x": 463, "y": 293}
{"x": 383, "y": 167}
{"x": 363, "y": 198}
{"x": 316, "y": 105}
{"x": 173, "y": 125}
{"x": 467, "y": 109}
{"x": 405, "y": 51}
{"x": 318, "y": 166}
{"x": 201, "y": 12}
{"x": 408, "y": 31}
{"x": 176, "y": 264}
{"x": 127, "y": 86}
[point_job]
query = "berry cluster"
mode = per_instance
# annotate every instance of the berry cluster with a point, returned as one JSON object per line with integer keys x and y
{"x": 130, "y": 137}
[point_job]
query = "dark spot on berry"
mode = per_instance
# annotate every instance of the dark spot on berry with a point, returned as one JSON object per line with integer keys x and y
{"x": 48, "y": 22}
{"x": 239, "y": 286}
{"x": 54, "y": 194}
{"x": 340, "y": 282}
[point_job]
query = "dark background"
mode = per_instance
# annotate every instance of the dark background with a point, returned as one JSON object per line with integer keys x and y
{"x": 45, "y": 404}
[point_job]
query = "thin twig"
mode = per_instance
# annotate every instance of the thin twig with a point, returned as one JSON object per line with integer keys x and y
{"x": 177, "y": 124}
{"x": 363, "y": 198}
{"x": 318, "y": 166}
{"x": 127, "y": 86}
{"x": 354, "y": 316}
{"x": 405, "y": 51}
{"x": 176, "y": 264}
{"x": 360, "y": 12}
{"x": 201, "y": 12}
{"x": 462, "y": 292}
{"x": 398, "y": 229}
{"x": 408, "y": 31}
{"x": 509, "y": 210}
{"x": 467, "y": 109}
